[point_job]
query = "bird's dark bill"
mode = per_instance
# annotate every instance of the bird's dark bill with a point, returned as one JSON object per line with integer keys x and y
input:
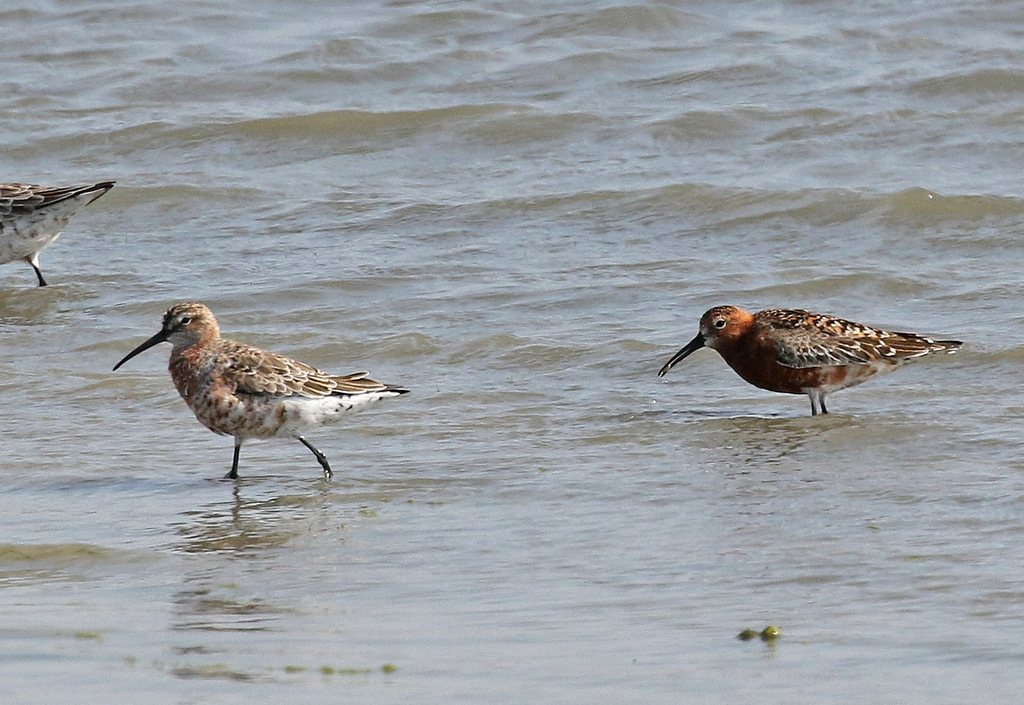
{"x": 155, "y": 340}
{"x": 695, "y": 344}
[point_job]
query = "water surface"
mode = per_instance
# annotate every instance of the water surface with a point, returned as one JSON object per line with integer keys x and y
{"x": 519, "y": 211}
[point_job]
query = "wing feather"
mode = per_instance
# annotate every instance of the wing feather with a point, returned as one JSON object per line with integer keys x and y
{"x": 804, "y": 339}
{"x": 21, "y": 199}
{"x": 254, "y": 371}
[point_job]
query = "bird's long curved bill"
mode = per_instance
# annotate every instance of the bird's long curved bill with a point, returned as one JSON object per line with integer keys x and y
{"x": 695, "y": 344}
{"x": 155, "y": 340}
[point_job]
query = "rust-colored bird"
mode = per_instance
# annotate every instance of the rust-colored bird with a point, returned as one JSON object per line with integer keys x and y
{"x": 798, "y": 352}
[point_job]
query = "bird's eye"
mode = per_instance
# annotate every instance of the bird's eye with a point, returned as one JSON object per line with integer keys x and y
{"x": 186, "y": 320}
{"x": 720, "y": 323}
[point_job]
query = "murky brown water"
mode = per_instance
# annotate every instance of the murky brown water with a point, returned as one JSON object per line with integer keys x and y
{"x": 519, "y": 211}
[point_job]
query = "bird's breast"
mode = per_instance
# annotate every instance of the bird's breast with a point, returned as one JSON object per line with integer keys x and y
{"x": 218, "y": 405}
{"x": 755, "y": 362}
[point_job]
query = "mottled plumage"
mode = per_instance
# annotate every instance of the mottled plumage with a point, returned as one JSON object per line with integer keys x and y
{"x": 239, "y": 390}
{"x": 798, "y": 352}
{"x": 31, "y": 217}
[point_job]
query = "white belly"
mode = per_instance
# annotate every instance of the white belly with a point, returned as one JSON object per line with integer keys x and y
{"x": 25, "y": 234}
{"x": 303, "y": 414}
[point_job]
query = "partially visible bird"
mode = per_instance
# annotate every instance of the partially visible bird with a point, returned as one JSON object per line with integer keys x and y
{"x": 798, "y": 352}
{"x": 239, "y": 390}
{"x": 31, "y": 217}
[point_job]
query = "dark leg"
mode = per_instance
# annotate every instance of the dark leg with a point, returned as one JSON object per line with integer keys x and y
{"x": 320, "y": 457}
{"x": 817, "y": 403}
{"x": 34, "y": 261}
{"x": 233, "y": 475}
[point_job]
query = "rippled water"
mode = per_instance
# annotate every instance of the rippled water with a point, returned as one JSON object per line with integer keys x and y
{"x": 519, "y": 211}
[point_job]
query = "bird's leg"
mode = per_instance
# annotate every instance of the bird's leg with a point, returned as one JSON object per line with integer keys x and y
{"x": 321, "y": 458}
{"x": 817, "y": 402}
{"x": 233, "y": 475}
{"x": 34, "y": 261}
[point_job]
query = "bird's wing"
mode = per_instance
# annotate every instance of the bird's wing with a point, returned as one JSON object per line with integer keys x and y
{"x": 25, "y": 198}
{"x": 805, "y": 339}
{"x": 254, "y": 371}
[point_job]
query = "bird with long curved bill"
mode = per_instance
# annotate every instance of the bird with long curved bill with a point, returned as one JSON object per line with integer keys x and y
{"x": 798, "y": 352}
{"x": 239, "y": 390}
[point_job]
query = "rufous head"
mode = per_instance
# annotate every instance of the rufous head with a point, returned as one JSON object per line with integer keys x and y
{"x": 722, "y": 324}
{"x": 718, "y": 327}
{"x": 185, "y": 324}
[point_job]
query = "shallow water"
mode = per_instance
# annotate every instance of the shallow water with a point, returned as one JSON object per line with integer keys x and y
{"x": 519, "y": 211}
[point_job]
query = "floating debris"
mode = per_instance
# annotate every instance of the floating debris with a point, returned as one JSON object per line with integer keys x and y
{"x": 769, "y": 633}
